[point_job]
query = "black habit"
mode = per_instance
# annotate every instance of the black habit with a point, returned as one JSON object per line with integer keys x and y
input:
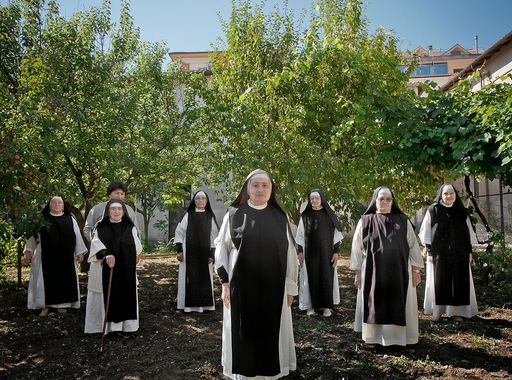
{"x": 386, "y": 276}
{"x": 119, "y": 242}
{"x": 257, "y": 288}
{"x": 387, "y": 261}
{"x": 319, "y": 228}
{"x": 198, "y": 289}
{"x": 58, "y": 258}
{"x": 450, "y": 249}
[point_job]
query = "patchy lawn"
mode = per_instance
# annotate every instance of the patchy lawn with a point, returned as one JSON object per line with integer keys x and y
{"x": 174, "y": 345}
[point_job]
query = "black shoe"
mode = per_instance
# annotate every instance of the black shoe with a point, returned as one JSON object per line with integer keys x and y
{"x": 126, "y": 334}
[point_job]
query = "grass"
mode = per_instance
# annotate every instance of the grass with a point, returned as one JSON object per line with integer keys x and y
{"x": 483, "y": 343}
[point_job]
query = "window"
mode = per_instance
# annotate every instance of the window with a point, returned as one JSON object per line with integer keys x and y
{"x": 436, "y": 69}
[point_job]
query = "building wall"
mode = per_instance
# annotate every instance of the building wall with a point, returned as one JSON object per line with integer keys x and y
{"x": 495, "y": 202}
{"x": 498, "y": 65}
{"x": 174, "y": 217}
{"x": 454, "y": 65}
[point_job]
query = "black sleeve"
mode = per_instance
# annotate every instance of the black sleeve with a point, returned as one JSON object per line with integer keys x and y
{"x": 100, "y": 255}
{"x": 223, "y": 275}
{"x": 212, "y": 253}
{"x": 428, "y": 246}
{"x": 336, "y": 248}
{"x": 179, "y": 247}
{"x": 300, "y": 249}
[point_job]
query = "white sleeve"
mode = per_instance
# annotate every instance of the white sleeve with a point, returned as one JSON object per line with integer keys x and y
{"x": 299, "y": 238}
{"x": 338, "y": 236}
{"x": 292, "y": 268}
{"x": 357, "y": 253}
{"x": 96, "y": 246}
{"x": 224, "y": 247}
{"x": 214, "y": 233}
{"x": 414, "y": 248}
{"x": 425, "y": 234}
{"x": 80, "y": 247}
{"x": 138, "y": 244}
{"x": 31, "y": 245}
{"x": 180, "y": 234}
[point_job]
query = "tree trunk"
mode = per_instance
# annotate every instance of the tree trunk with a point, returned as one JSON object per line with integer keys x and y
{"x": 146, "y": 229}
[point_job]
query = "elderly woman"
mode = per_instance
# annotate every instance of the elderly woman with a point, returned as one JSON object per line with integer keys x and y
{"x": 318, "y": 239}
{"x": 53, "y": 279}
{"x": 115, "y": 246}
{"x": 447, "y": 233}
{"x": 387, "y": 260}
{"x": 194, "y": 239}
{"x": 257, "y": 264}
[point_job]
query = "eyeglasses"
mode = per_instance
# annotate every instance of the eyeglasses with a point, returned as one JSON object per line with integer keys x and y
{"x": 386, "y": 200}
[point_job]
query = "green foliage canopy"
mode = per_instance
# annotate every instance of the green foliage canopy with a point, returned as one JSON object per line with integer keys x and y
{"x": 84, "y": 102}
{"x": 316, "y": 107}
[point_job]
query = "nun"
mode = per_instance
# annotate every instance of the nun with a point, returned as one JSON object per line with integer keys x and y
{"x": 387, "y": 261}
{"x": 318, "y": 241}
{"x": 256, "y": 261}
{"x": 195, "y": 245}
{"x": 53, "y": 281}
{"x": 447, "y": 234}
{"x": 115, "y": 246}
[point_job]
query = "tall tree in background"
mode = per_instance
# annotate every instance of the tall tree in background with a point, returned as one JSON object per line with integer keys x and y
{"x": 318, "y": 108}
{"x": 87, "y": 102}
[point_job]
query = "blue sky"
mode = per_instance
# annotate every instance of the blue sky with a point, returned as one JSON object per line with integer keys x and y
{"x": 192, "y": 25}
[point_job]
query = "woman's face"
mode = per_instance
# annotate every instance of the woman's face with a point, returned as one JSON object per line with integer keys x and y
{"x": 201, "y": 201}
{"x": 260, "y": 190}
{"x": 117, "y": 194}
{"x": 316, "y": 201}
{"x": 56, "y": 206}
{"x": 448, "y": 196}
{"x": 384, "y": 203}
{"x": 115, "y": 213}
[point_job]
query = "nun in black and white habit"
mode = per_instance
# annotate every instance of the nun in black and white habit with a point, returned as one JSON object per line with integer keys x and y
{"x": 387, "y": 260}
{"x": 54, "y": 253}
{"x": 318, "y": 240}
{"x": 195, "y": 241}
{"x": 115, "y": 246}
{"x": 448, "y": 234}
{"x": 256, "y": 261}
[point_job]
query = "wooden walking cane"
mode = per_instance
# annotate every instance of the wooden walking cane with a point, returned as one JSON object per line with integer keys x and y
{"x": 106, "y": 308}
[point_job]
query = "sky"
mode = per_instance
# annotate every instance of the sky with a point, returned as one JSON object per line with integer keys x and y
{"x": 192, "y": 25}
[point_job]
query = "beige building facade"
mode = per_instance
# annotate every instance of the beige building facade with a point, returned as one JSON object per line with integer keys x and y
{"x": 438, "y": 66}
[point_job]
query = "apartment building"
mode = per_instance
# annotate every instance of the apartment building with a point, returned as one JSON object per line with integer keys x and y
{"x": 437, "y": 66}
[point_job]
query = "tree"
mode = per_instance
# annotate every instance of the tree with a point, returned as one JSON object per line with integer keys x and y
{"x": 23, "y": 168}
{"x": 149, "y": 202}
{"x": 88, "y": 103}
{"x": 461, "y": 134}
{"x": 318, "y": 108}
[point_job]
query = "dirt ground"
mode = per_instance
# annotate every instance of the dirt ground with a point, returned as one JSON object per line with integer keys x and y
{"x": 174, "y": 345}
